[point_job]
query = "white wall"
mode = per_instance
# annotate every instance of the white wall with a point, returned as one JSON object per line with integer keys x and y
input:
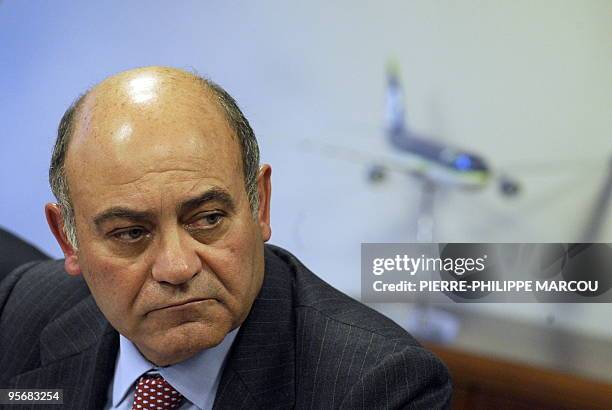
{"x": 522, "y": 82}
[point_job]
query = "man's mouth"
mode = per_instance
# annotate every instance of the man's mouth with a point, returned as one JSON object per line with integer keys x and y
{"x": 181, "y": 304}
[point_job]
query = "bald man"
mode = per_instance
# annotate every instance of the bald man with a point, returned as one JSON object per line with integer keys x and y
{"x": 168, "y": 296}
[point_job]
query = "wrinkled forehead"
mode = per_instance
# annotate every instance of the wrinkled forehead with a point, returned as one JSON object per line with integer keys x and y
{"x": 144, "y": 123}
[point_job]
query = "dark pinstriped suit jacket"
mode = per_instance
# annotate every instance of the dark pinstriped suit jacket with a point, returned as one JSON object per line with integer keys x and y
{"x": 303, "y": 345}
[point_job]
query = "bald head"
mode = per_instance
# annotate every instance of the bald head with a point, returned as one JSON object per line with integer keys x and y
{"x": 153, "y": 92}
{"x": 117, "y": 120}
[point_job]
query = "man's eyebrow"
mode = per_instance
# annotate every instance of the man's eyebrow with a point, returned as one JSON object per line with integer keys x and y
{"x": 118, "y": 212}
{"x": 214, "y": 194}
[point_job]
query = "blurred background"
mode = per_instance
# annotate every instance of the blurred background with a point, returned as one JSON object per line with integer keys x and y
{"x": 525, "y": 84}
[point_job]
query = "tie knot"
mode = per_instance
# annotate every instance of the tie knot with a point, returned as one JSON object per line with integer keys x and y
{"x": 153, "y": 392}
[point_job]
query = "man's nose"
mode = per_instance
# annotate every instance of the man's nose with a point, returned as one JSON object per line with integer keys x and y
{"x": 176, "y": 261}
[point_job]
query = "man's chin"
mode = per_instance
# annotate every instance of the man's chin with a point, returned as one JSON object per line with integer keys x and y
{"x": 182, "y": 342}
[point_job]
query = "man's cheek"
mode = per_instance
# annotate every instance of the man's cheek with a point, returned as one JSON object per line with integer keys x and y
{"x": 106, "y": 283}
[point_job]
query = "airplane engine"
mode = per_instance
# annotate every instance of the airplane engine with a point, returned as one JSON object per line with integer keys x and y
{"x": 376, "y": 174}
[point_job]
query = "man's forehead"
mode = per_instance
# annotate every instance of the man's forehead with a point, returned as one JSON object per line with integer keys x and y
{"x": 146, "y": 95}
{"x": 147, "y": 121}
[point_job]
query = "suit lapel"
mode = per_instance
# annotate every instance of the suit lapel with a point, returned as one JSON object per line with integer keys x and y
{"x": 260, "y": 371}
{"x": 78, "y": 351}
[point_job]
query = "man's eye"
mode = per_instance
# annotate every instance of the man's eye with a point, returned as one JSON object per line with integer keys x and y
{"x": 130, "y": 235}
{"x": 208, "y": 220}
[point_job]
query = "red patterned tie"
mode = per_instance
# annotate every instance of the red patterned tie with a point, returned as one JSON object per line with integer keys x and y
{"x": 155, "y": 393}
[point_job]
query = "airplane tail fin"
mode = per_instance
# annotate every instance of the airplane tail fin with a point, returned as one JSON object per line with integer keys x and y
{"x": 395, "y": 112}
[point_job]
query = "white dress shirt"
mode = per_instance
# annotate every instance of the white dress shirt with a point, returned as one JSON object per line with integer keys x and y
{"x": 196, "y": 378}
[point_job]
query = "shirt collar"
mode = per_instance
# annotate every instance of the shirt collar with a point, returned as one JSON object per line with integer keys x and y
{"x": 196, "y": 378}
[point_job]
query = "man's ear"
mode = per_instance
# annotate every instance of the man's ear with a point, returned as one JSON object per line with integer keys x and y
{"x": 264, "y": 189}
{"x": 56, "y": 224}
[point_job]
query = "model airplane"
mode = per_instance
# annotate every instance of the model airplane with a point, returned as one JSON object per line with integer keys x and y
{"x": 433, "y": 160}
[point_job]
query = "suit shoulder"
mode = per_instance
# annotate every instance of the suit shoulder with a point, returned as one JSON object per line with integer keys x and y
{"x": 408, "y": 378}
{"x": 326, "y": 302}
{"x": 347, "y": 354}
{"x": 32, "y": 297}
{"x": 36, "y": 293}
